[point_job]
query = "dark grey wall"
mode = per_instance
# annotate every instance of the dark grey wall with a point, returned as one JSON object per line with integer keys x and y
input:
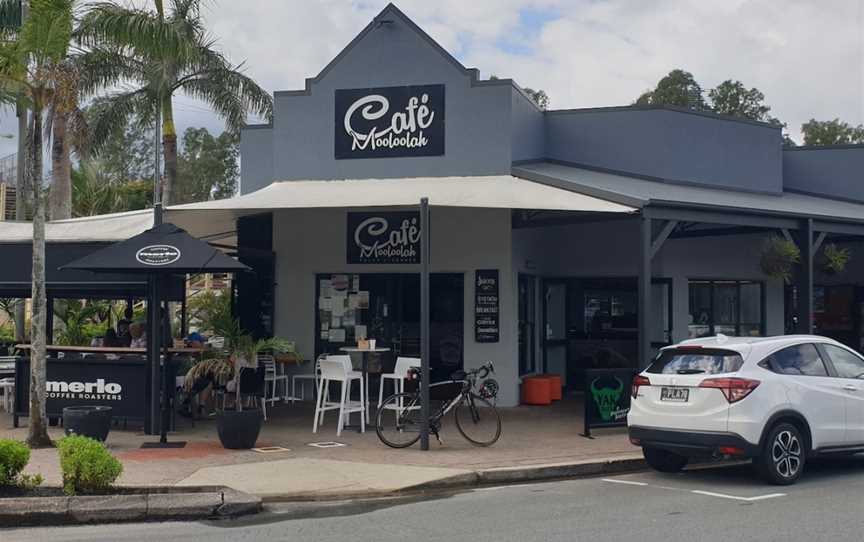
{"x": 836, "y": 171}
{"x": 670, "y": 145}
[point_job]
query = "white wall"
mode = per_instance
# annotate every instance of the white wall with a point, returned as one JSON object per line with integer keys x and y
{"x": 308, "y": 242}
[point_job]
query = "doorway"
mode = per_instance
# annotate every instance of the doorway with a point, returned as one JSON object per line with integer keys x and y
{"x": 386, "y": 307}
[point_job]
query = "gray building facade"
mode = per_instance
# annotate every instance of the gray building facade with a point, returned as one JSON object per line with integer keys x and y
{"x": 574, "y": 291}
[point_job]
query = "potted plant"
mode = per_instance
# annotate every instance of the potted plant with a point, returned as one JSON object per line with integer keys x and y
{"x": 779, "y": 255}
{"x": 833, "y": 259}
{"x": 238, "y": 428}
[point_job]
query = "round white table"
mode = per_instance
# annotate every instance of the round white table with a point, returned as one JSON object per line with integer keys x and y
{"x": 364, "y": 351}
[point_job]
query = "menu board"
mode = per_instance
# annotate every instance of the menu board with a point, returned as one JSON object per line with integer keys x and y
{"x": 486, "y": 306}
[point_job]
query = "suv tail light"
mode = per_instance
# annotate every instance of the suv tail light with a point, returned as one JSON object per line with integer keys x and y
{"x": 734, "y": 389}
{"x": 638, "y": 381}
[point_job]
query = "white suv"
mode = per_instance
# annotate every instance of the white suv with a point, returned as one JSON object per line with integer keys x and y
{"x": 777, "y": 400}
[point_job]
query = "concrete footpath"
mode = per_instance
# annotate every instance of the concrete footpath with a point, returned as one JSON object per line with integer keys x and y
{"x": 537, "y": 443}
{"x": 303, "y": 479}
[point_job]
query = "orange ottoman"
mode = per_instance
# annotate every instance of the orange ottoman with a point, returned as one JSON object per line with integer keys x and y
{"x": 555, "y": 384}
{"x": 536, "y": 390}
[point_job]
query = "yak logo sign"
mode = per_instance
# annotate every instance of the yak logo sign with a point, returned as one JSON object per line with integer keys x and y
{"x": 390, "y": 122}
{"x": 607, "y": 398}
{"x": 158, "y": 255}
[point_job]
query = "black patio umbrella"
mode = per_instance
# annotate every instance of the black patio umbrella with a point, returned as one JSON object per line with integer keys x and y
{"x": 158, "y": 253}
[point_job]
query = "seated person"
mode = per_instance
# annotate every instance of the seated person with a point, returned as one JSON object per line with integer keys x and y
{"x": 123, "y": 337}
{"x": 110, "y": 338}
{"x": 138, "y": 335}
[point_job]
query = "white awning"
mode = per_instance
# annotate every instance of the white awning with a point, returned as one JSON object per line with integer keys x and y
{"x": 497, "y": 192}
{"x": 101, "y": 228}
{"x": 215, "y": 220}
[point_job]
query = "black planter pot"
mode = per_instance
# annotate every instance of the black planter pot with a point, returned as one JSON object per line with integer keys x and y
{"x": 88, "y": 421}
{"x": 238, "y": 430}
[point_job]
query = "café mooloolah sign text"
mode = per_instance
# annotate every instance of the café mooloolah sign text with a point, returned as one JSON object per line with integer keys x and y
{"x": 389, "y": 122}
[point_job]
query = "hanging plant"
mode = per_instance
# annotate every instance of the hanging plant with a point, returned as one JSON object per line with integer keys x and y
{"x": 779, "y": 255}
{"x": 834, "y": 259}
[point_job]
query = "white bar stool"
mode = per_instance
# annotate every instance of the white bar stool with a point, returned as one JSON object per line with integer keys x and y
{"x": 334, "y": 369}
{"x": 272, "y": 378}
{"x": 398, "y": 376}
{"x": 7, "y": 394}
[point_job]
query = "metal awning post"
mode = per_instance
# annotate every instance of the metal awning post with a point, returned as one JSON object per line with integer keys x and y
{"x": 153, "y": 342}
{"x": 644, "y": 288}
{"x": 805, "y": 278}
{"x": 424, "y": 322}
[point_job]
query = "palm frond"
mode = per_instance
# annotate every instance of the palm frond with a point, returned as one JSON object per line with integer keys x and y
{"x": 230, "y": 92}
{"x": 139, "y": 30}
{"x": 104, "y": 67}
{"x": 109, "y": 116}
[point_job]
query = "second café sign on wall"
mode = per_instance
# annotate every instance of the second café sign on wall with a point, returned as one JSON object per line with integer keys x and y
{"x": 389, "y": 122}
{"x": 385, "y": 237}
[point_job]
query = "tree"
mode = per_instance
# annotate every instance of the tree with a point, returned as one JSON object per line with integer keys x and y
{"x": 831, "y": 132}
{"x": 678, "y": 88}
{"x": 96, "y": 192}
{"x": 30, "y": 71}
{"x": 127, "y": 154}
{"x": 68, "y": 129}
{"x": 734, "y": 99}
{"x": 539, "y": 96}
{"x": 208, "y": 166}
{"x": 160, "y": 54}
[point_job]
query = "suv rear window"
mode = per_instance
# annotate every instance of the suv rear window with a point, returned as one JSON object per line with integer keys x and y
{"x": 696, "y": 361}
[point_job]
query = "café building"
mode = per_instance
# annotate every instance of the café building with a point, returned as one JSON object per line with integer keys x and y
{"x": 560, "y": 240}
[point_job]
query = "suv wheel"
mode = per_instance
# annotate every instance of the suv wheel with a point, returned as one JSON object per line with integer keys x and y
{"x": 783, "y": 455}
{"x": 664, "y": 461}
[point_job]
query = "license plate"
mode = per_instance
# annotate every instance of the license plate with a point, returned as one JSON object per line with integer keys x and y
{"x": 680, "y": 395}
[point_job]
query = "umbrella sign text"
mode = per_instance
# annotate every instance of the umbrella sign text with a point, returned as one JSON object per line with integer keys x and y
{"x": 158, "y": 255}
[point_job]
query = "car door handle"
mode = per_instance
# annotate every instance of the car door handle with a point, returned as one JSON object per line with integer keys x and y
{"x": 850, "y": 387}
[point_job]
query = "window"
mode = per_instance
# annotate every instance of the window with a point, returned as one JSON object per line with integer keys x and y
{"x": 801, "y": 359}
{"x": 847, "y": 364}
{"x": 728, "y": 307}
{"x": 703, "y": 361}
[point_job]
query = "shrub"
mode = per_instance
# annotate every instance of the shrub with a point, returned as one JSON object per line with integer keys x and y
{"x": 87, "y": 465}
{"x": 14, "y": 456}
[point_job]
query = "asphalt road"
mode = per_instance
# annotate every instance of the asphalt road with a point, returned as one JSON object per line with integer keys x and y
{"x": 721, "y": 504}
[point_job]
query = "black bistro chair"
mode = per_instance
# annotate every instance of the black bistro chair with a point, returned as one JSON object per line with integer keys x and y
{"x": 252, "y": 386}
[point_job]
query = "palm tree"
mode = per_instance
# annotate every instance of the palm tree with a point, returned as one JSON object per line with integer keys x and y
{"x": 159, "y": 54}
{"x": 68, "y": 129}
{"x": 29, "y": 71}
{"x": 94, "y": 192}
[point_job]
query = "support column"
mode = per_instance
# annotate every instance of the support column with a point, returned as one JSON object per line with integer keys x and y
{"x": 805, "y": 278}
{"x": 644, "y": 287}
{"x": 151, "y": 425}
{"x": 425, "y": 253}
{"x": 49, "y": 320}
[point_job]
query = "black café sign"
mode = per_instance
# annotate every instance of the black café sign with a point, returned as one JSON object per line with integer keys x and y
{"x": 158, "y": 255}
{"x": 389, "y": 122}
{"x": 386, "y": 237}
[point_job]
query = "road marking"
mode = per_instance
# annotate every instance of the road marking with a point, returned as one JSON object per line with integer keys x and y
{"x": 627, "y": 482}
{"x": 696, "y": 491}
{"x": 737, "y": 498}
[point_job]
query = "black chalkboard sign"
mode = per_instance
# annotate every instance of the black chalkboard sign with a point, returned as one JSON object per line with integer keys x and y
{"x": 607, "y": 397}
{"x": 486, "y": 306}
{"x": 388, "y": 122}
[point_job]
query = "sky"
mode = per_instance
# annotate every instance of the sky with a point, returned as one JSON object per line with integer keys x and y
{"x": 806, "y": 56}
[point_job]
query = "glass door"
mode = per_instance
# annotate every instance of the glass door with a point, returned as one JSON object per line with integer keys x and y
{"x": 527, "y": 325}
{"x": 555, "y": 328}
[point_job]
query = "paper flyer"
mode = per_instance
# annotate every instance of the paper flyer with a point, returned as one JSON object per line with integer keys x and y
{"x": 337, "y": 335}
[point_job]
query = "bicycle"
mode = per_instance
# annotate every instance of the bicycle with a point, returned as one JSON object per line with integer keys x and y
{"x": 476, "y": 417}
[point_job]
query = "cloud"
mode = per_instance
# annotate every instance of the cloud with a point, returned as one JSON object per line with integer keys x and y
{"x": 807, "y": 57}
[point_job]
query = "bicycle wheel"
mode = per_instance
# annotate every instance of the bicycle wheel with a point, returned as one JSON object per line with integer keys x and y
{"x": 478, "y": 421}
{"x": 398, "y": 420}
